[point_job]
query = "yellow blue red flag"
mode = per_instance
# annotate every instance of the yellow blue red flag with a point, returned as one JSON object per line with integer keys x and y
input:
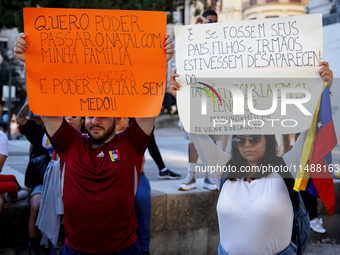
{"x": 317, "y": 172}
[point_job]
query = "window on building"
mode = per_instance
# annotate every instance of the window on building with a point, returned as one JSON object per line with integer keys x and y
{"x": 272, "y": 1}
{"x": 252, "y": 2}
{"x": 3, "y": 43}
{"x": 213, "y": 4}
{"x": 269, "y": 17}
{"x": 181, "y": 16}
{"x": 295, "y": 1}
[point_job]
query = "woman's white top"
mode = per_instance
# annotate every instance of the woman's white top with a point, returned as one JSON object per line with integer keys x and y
{"x": 254, "y": 217}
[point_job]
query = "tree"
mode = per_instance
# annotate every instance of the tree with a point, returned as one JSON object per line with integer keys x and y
{"x": 11, "y": 11}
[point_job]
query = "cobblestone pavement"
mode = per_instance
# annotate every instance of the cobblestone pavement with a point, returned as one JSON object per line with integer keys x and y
{"x": 323, "y": 247}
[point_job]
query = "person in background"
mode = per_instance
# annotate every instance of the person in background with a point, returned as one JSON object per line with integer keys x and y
{"x": 35, "y": 134}
{"x": 311, "y": 204}
{"x": 5, "y": 117}
{"x": 123, "y": 123}
{"x": 5, "y": 122}
{"x": 208, "y": 16}
{"x": 51, "y": 215}
{"x": 10, "y": 189}
{"x": 14, "y": 127}
{"x": 78, "y": 122}
{"x": 163, "y": 171}
{"x": 142, "y": 202}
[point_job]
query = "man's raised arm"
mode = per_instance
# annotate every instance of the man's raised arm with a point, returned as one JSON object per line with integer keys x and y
{"x": 146, "y": 124}
{"x": 52, "y": 124}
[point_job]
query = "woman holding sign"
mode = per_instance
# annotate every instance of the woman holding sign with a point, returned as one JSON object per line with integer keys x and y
{"x": 254, "y": 209}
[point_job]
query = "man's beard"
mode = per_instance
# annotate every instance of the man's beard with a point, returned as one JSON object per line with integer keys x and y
{"x": 103, "y": 137}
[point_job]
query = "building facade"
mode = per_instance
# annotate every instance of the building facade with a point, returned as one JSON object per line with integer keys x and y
{"x": 235, "y": 10}
{"x": 320, "y": 6}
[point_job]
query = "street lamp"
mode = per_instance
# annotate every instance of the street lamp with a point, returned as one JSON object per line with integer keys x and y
{"x": 10, "y": 56}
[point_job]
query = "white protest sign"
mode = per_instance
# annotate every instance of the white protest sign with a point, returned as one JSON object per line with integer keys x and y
{"x": 255, "y": 76}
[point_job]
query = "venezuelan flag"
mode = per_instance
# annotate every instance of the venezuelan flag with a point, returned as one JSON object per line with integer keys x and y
{"x": 316, "y": 155}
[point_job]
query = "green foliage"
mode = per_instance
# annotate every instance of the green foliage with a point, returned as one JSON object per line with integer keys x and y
{"x": 170, "y": 18}
{"x": 11, "y": 11}
{"x": 197, "y": 12}
{"x": 131, "y": 5}
{"x": 149, "y": 5}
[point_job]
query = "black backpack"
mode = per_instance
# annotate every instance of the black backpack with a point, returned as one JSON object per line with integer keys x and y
{"x": 301, "y": 223}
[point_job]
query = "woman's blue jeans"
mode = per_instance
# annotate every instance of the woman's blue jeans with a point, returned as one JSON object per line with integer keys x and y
{"x": 290, "y": 250}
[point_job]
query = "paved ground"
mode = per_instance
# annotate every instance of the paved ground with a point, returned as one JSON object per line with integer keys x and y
{"x": 174, "y": 150}
{"x": 323, "y": 247}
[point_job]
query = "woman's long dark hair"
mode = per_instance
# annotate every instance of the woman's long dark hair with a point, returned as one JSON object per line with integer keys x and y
{"x": 82, "y": 128}
{"x": 237, "y": 160}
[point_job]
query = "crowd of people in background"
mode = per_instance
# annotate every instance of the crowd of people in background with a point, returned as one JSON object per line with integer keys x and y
{"x": 14, "y": 127}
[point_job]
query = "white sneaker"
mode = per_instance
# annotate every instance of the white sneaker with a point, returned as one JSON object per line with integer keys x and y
{"x": 22, "y": 194}
{"x": 316, "y": 226}
{"x": 209, "y": 184}
{"x": 188, "y": 183}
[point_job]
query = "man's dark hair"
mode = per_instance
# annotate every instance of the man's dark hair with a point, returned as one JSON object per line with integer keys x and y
{"x": 209, "y": 12}
{"x": 267, "y": 159}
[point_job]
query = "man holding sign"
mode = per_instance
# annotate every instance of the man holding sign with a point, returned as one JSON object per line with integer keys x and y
{"x": 100, "y": 177}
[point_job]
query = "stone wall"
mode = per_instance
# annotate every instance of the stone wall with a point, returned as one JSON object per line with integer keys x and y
{"x": 182, "y": 223}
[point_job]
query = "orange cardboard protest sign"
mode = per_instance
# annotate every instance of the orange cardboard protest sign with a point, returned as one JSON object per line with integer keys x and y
{"x": 95, "y": 62}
